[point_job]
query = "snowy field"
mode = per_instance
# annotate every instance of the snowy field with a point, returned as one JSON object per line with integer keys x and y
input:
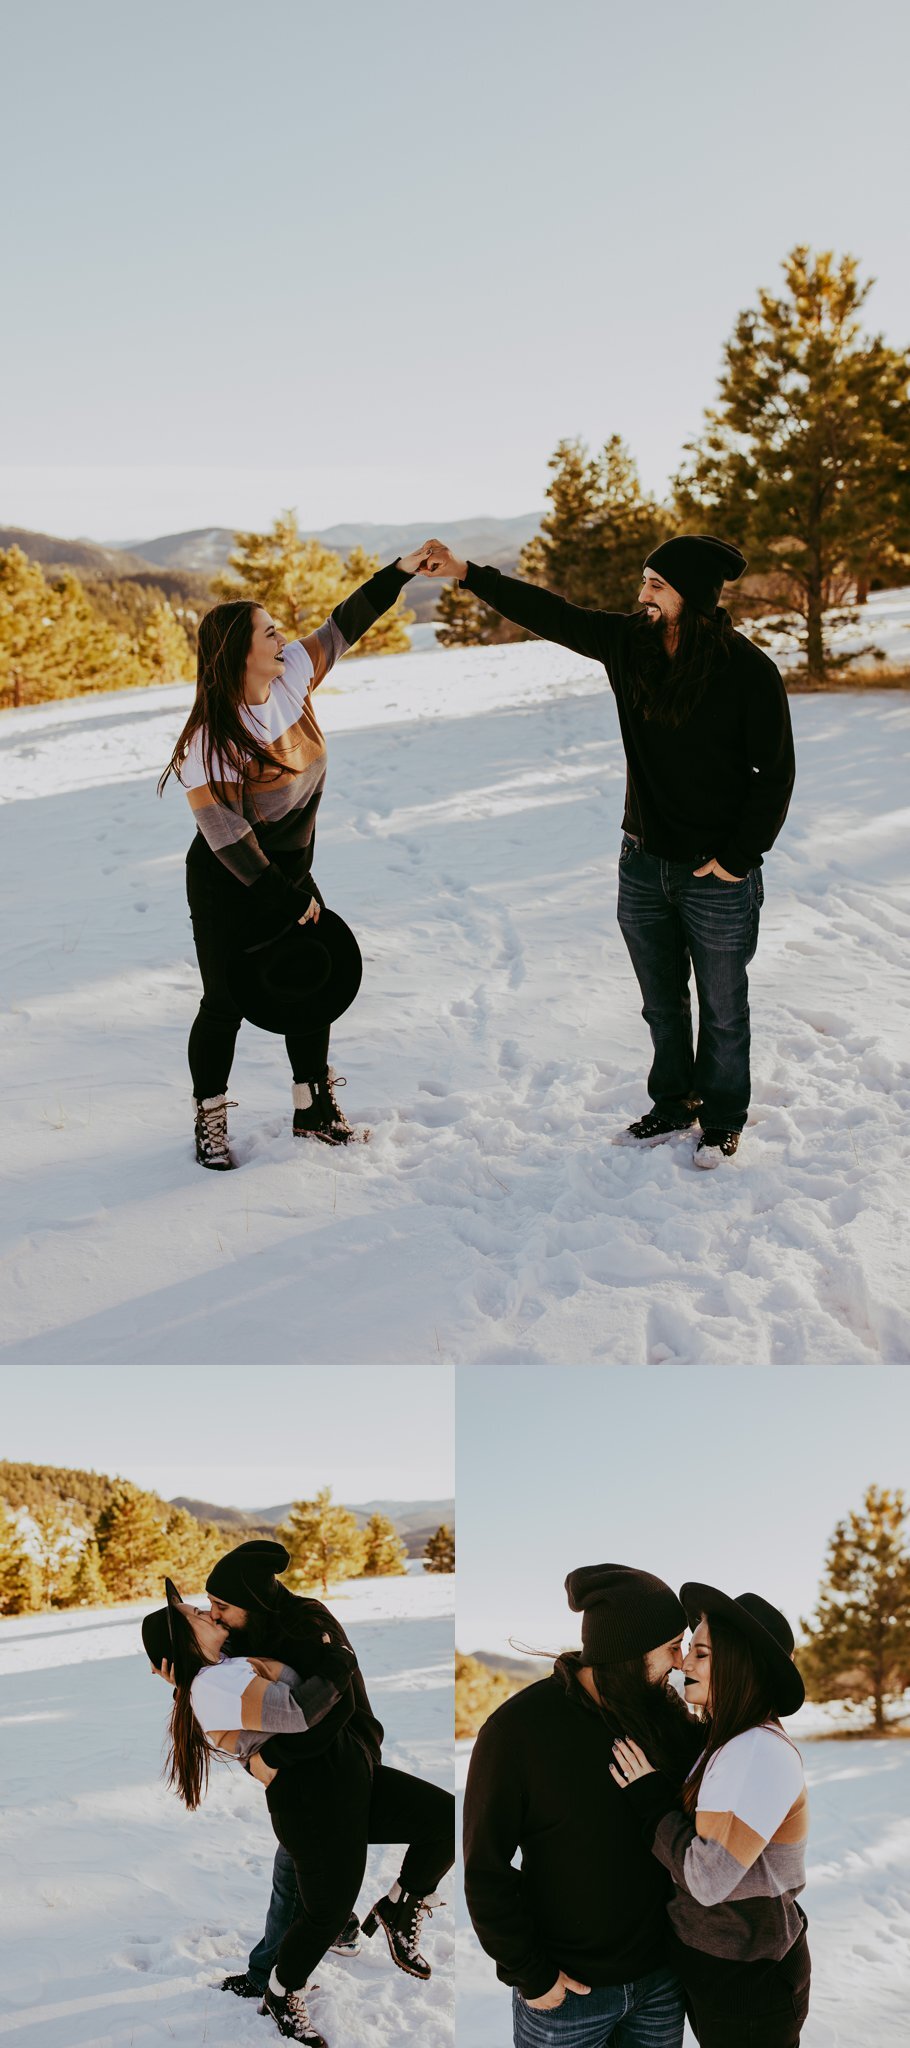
{"x": 857, "y": 1899}
{"x": 469, "y": 833}
{"x": 119, "y": 1912}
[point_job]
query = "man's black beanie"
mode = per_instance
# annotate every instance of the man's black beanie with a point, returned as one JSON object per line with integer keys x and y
{"x": 625, "y": 1613}
{"x": 697, "y": 566}
{"x": 245, "y": 1576}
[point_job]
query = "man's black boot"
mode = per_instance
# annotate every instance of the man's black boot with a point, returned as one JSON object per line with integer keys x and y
{"x": 659, "y": 1123}
{"x": 243, "y": 1985}
{"x": 713, "y": 1146}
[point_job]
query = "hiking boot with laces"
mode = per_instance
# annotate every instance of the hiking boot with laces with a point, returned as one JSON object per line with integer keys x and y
{"x": 713, "y": 1146}
{"x": 317, "y": 1113}
{"x": 660, "y": 1123}
{"x": 288, "y": 2009}
{"x": 400, "y": 1915}
{"x": 211, "y": 1132}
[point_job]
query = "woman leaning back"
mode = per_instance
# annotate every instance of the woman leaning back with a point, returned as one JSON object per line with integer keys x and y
{"x": 736, "y": 1851}
{"x": 252, "y": 759}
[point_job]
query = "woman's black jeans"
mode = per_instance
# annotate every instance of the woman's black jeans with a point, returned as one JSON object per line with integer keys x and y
{"x": 758, "y": 2005}
{"x": 216, "y": 903}
{"x": 674, "y": 921}
{"x": 325, "y": 1814}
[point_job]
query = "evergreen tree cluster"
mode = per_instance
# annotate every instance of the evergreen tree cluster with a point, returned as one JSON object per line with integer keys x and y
{"x": 300, "y": 582}
{"x": 804, "y": 462}
{"x": 439, "y": 1555}
{"x": 60, "y": 637}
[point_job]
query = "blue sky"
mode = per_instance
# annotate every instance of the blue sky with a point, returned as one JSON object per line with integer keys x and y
{"x": 734, "y": 1478}
{"x": 375, "y": 261}
{"x": 239, "y": 1436}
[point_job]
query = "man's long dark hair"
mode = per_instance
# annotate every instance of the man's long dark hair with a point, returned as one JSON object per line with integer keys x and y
{"x": 653, "y": 1714}
{"x": 742, "y": 1696}
{"x": 668, "y": 689}
{"x": 225, "y": 639}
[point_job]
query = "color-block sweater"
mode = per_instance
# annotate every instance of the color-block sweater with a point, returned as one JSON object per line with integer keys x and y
{"x": 267, "y": 823}
{"x": 241, "y": 1702}
{"x": 718, "y": 786}
{"x": 738, "y": 1868}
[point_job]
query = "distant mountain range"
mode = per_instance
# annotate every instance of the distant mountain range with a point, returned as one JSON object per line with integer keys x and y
{"x": 195, "y": 557}
{"x": 414, "y": 1520}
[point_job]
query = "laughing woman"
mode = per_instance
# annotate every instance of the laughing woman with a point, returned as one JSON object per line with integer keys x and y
{"x": 252, "y": 759}
{"x": 736, "y": 1852}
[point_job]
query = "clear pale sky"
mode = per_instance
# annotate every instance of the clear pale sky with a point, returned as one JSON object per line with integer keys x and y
{"x": 733, "y": 1478}
{"x": 376, "y": 260}
{"x": 241, "y": 1437}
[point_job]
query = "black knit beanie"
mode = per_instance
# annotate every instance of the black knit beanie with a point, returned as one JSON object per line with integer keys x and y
{"x": 245, "y": 1577}
{"x": 625, "y": 1612}
{"x": 698, "y": 566}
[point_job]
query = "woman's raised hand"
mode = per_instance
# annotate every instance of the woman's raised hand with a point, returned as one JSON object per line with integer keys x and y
{"x": 632, "y": 1762}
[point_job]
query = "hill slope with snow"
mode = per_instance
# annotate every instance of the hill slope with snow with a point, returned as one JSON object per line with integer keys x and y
{"x": 469, "y": 833}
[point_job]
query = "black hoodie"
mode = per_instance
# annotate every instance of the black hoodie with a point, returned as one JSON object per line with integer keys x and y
{"x": 589, "y": 1898}
{"x": 292, "y": 1630}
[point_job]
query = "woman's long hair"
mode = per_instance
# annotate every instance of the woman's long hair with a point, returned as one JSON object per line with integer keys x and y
{"x": 225, "y": 639}
{"x": 668, "y": 689}
{"x": 742, "y": 1696}
{"x": 188, "y": 1757}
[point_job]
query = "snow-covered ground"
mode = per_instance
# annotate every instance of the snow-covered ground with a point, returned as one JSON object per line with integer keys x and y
{"x": 119, "y": 1912}
{"x": 857, "y": 1899}
{"x": 469, "y": 833}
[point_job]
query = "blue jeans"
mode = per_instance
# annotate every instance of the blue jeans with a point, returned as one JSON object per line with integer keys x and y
{"x": 674, "y": 922}
{"x": 647, "y": 2014}
{"x": 284, "y": 1906}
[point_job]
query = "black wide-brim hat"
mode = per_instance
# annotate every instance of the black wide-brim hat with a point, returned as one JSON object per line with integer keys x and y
{"x": 243, "y": 1577}
{"x": 763, "y": 1626}
{"x": 274, "y": 986}
{"x": 161, "y": 1641}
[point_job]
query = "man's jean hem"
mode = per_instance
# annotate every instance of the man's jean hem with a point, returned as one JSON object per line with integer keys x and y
{"x": 674, "y": 922}
{"x": 284, "y": 1907}
{"x": 650, "y": 2013}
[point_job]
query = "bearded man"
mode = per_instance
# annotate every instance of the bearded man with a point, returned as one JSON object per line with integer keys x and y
{"x": 710, "y": 768}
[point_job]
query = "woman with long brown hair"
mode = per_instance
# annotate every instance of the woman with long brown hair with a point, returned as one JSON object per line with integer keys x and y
{"x": 329, "y": 1796}
{"x": 252, "y": 759}
{"x": 734, "y": 1840}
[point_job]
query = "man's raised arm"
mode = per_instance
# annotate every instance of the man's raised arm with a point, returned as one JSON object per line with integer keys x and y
{"x": 526, "y": 604}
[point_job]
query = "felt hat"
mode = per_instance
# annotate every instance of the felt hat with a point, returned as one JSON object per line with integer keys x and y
{"x": 624, "y": 1612}
{"x": 163, "y": 1638}
{"x": 764, "y": 1627}
{"x": 244, "y": 1576}
{"x": 697, "y": 566}
{"x": 274, "y": 986}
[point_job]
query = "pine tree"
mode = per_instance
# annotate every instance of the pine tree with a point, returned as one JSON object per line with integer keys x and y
{"x": 386, "y": 1556}
{"x": 478, "y": 1692}
{"x": 190, "y": 1548}
{"x": 131, "y": 1544}
{"x": 54, "y": 1544}
{"x": 299, "y": 581}
{"x": 84, "y": 1585}
{"x": 163, "y": 648}
{"x": 601, "y": 526}
{"x": 324, "y": 1542}
{"x": 19, "y": 1588}
{"x": 463, "y": 620}
{"x": 858, "y": 1641}
{"x": 53, "y": 641}
{"x": 389, "y": 635}
{"x": 439, "y": 1555}
{"x": 804, "y": 458}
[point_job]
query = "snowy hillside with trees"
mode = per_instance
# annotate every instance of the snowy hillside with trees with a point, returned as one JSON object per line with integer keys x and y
{"x": 120, "y": 1912}
{"x": 469, "y": 833}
